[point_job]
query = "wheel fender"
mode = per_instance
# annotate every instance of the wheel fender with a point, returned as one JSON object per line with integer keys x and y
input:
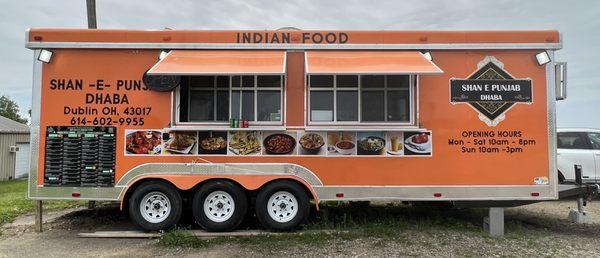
{"x": 186, "y": 182}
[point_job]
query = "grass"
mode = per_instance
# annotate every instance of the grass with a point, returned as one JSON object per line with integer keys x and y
{"x": 337, "y": 226}
{"x": 183, "y": 238}
{"x": 14, "y": 202}
{"x": 335, "y": 222}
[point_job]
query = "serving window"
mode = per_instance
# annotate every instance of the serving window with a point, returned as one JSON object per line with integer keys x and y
{"x": 352, "y": 99}
{"x": 216, "y": 99}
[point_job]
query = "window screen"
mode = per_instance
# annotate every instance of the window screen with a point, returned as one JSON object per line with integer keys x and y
{"x": 360, "y": 98}
{"x": 219, "y": 98}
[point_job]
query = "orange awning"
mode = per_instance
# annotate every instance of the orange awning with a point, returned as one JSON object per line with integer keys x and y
{"x": 209, "y": 62}
{"x": 369, "y": 62}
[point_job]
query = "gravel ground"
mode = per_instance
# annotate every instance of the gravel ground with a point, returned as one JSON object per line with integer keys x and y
{"x": 535, "y": 230}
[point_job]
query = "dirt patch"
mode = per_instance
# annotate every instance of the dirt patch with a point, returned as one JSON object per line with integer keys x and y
{"x": 29, "y": 219}
{"x": 534, "y": 230}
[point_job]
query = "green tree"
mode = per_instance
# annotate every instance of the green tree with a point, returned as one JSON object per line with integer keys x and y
{"x": 10, "y": 109}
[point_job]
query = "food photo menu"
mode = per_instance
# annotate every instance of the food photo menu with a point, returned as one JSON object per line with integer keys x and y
{"x": 309, "y": 143}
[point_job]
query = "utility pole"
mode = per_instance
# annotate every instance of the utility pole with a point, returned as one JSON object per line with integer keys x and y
{"x": 91, "y": 14}
{"x": 38, "y": 216}
{"x": 39, "y": 208}
{"x": 91, "y": 17}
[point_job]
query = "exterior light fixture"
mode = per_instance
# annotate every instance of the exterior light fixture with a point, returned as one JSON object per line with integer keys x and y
{"x": 543, "y": 58}
{"x": 427, "y": 55}
{"x": 45, "y": 56}
{"x": 163, "y": 54}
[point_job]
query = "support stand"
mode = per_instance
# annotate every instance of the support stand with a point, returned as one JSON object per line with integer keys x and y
{"x": 579, "y": 215}
{"x": 38, "y": 215}
{"x": 494, "y": 223}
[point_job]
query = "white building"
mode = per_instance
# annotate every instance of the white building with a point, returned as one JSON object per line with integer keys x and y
{"x": 14, "y": 149}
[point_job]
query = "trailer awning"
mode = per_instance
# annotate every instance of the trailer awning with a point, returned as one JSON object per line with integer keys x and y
{"x": 211, "y": 62}
{"x": 369, "y": 62}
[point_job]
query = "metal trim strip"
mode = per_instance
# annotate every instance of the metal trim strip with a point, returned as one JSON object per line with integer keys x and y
{"x": 551, "y": 113}
{"x": 35, "y": 126}
{"x": 426, "y": 193}
{"x": 220, "y": 168}
{"x": 433, "y": 46}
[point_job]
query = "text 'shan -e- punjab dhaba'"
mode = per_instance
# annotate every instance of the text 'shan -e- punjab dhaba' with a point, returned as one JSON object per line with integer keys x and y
{"x": 224, "y": 120}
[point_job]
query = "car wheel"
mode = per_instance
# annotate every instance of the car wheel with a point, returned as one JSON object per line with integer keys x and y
{"x": 282, "y": 206}
{"x": 155, "y": 206}
{"x": 561, "y": 177}
{"x": 220, "y": 206}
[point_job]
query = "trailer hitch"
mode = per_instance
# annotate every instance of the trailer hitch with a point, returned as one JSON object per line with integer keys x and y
{"x": 593, "y": 190}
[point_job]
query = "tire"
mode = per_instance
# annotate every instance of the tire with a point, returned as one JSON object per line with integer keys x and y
{"x": 561, "y": 177}
{"x": 162, "y": 206}
{"x": 285, "y": 196}
{"x": 219, "y": 206}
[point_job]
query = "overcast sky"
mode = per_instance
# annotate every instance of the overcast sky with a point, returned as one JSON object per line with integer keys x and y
{"x": 577, "y": 20}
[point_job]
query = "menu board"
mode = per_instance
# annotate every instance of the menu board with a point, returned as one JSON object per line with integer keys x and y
{"x": 265, "y": 143}
{"x": 80, "y": 156}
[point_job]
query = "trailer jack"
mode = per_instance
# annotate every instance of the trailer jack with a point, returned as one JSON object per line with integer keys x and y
{"x": 579, "y": 215}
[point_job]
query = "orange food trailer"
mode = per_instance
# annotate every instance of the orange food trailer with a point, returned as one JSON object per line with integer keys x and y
{"x": 222, "y": 120}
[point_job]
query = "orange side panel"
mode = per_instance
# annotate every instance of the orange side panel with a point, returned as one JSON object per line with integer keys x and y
{"x": 369, "y": 62}
{"x": 195, "y": 62}
{"x": 447, "y": 165}
{"x": 106, "y": 80}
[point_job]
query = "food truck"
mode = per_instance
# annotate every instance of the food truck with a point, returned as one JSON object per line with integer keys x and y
{"x": 225, "y": 120}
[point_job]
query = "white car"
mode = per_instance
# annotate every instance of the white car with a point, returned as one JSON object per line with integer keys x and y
{"x": 578, "y": 146}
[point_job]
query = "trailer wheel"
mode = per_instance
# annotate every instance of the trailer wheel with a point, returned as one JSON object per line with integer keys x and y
{"x": 282, "y": 206}
{"x": 220, "y": 206}
{"x": 155, "y": 206}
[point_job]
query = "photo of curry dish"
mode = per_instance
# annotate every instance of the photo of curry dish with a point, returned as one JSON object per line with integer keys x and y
{"x": 279, "y": 144}
{"x": 345, "y": 145}
{"x": 244, "y": 143}
{"x": 143, "y": 142}
{"x": 341, "y": 143}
